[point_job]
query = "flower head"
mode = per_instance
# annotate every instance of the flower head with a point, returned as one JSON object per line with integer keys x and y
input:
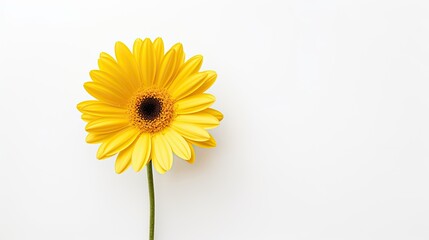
{"x": 149, "y": 105}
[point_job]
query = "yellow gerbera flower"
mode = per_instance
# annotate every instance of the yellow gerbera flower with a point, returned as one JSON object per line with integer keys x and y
{"x": 149, "y": 105}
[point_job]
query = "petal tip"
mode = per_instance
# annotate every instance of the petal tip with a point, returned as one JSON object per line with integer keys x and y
{"x": 79, "y": 107}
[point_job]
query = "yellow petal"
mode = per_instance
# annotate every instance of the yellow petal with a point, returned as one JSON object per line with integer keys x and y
{"x": 107, "y": 64}
{"x": 118, "y": 142}
{"x": 158, "y": 167}
{"x": 147, "y": 63}
{"x": 105, "y": 94}
{"x": 89, "y": 117}
{"x": 141, "y": 154}
{"x": 194, "y": 103}
{"x": 211, "y": 143}
{"x": 106, "y": 125}
{"x": 187, "y": 86}
{"x": 109, "y": 81}
{"x": 192, "y": 159}
{"x": 180, "y": 58}
{"x": 158, "y": 46}
{"x": 214, "y": 112}
{"x": 137, "y": 49}
{"x": 84, "y": 104}
{"x": 162, "y": 153}
{"x": 98, "y": 137}
{"x": 123, "y": 160}
{"x": 191, "y": 66}
{"x": 106, "y": 55}
{"x": 203, "y": 120}
{"x": 177, "y": 143}
{"x": 208, "y": 82}
{"x": 166, "y": 69}
{"x": 190, "y": 131}
{"x": 102, "y": 109}
{"x": 128, "y": 63}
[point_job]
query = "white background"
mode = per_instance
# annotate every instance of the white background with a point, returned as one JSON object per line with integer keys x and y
{"x": 325, "y": 134}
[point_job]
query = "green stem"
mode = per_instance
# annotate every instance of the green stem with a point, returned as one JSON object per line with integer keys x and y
{"x": 152, "y": 201}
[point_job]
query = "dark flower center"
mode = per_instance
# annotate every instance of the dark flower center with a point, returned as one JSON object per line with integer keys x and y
{"x": 150, "y": 108}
